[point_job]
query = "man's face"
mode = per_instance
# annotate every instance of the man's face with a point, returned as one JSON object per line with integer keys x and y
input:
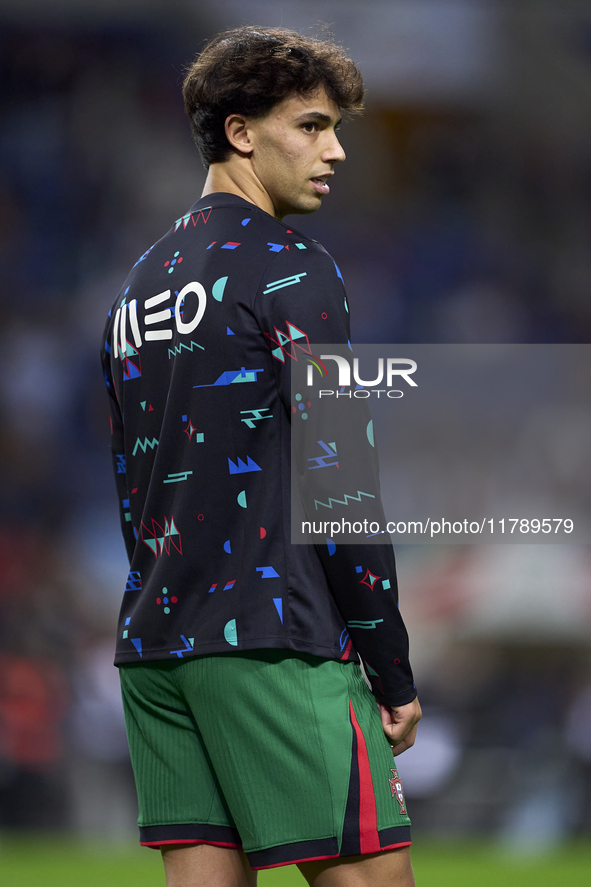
{"x": 295, "y": 147}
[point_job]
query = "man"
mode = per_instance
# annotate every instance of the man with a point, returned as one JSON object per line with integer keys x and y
{"x": 254, "y": 738}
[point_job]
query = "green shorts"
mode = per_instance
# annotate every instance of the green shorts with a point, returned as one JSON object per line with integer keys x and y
{"x": 280, "y": 754}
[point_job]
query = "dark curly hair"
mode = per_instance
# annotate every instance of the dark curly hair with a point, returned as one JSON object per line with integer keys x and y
{"x": 249, "y": 70}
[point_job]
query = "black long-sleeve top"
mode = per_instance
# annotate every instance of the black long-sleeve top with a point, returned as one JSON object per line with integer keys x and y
{"x": 197, "y": 354}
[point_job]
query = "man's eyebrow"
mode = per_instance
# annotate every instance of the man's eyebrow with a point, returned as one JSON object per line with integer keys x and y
{"x": 318, "y": 115}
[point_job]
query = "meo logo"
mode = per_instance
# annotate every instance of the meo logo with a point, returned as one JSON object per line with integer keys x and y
{"x": 127, "y": 315}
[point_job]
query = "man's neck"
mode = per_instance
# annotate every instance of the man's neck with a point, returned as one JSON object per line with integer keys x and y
{"x": 238, "y": 178}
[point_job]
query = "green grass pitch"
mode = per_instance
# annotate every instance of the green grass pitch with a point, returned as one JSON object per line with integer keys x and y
{"x": 30, "y": 862}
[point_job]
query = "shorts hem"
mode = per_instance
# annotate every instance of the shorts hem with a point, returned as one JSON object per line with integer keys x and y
{"x": 155, "y": 836}
{"x": 289, "y": 854}
{"x": 311, "y": 851}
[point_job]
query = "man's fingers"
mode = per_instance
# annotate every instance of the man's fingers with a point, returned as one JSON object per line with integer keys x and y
{"x": 398, "y": 732}
{"x": 400, "y": 724}
{"x": 401, "y": 745}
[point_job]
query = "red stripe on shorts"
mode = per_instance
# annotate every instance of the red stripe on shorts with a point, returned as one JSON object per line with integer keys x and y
{"x": 369, "y": 838}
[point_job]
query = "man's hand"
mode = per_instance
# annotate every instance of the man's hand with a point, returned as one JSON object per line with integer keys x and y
{"x": 400, "y": 724}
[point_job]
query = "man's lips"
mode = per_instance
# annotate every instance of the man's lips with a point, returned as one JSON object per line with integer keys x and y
{"x": 320, "y": 184}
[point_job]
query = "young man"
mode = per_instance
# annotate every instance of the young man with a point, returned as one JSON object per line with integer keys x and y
{"x": 254, "y": 738}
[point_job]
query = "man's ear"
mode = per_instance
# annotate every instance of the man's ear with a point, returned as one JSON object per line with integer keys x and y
{"x": 238, "y": 134}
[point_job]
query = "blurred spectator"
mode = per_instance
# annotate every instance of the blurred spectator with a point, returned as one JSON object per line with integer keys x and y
{"x": 33, "y": 704}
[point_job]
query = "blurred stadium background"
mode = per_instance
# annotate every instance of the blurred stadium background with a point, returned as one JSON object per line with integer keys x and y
{"x": 462, "y": 215}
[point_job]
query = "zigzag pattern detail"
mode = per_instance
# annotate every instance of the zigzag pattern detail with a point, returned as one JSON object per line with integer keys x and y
{"x": 176, "y": 349}
{"x": 143, "y": 445}
{"x": 348, "y": 498}
{"x": 193, "y": 217}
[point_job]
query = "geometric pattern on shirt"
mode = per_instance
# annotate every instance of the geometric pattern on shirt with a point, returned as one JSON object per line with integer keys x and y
{"x": 345, "y": 501}
{"x": 159, "y": 539}
{"x": 369, "y": 579}
{"x": 286, "y": 342}
{"x": 231, "y": 377}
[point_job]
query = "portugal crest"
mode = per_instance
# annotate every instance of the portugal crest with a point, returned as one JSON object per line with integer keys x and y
{"x": 397, "y": 790}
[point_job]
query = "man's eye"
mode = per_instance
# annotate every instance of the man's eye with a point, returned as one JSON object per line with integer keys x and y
{"x": 309, "y": 127}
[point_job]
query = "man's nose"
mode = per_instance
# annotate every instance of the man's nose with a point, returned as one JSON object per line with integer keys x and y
{"x": 333, "y": 153}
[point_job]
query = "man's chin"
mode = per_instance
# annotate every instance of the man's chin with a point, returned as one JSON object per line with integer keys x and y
{"x": 305, "y": 207}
